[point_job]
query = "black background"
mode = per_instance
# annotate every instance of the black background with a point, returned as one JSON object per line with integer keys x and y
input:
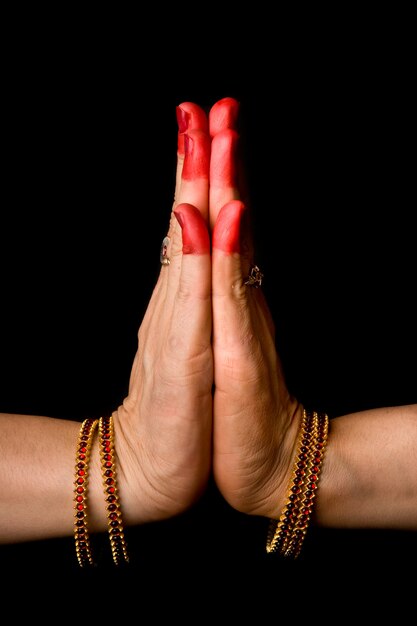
{"x": 328, "y": 136}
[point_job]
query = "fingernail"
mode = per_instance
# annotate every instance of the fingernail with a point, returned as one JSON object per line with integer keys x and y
{"x": 183, "y": 119}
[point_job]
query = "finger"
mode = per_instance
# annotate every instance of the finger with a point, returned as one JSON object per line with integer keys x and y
{"x": 190, "y": 331}
{"x": 183, "y": 305}
{"x": 193, "y": 190}
{"x": 194, "y": 185}
{"x": 241, "y": 322}
{"x": 223, "y": 171}
{"x": 190, "y": 117}
{"x": 193, "y": 156}
{"x": 223, "y": 163}
{"x": 229, "y": 264}
{"x": 223, "y": 114}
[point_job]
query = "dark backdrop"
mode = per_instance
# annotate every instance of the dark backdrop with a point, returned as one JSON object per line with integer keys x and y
{"x": 88, "y": 178}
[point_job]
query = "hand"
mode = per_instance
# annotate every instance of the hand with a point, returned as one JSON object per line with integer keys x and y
{"x": 164, "y": 426}
{"x": 255, "y": 418}
{"x": 169, "y": 406}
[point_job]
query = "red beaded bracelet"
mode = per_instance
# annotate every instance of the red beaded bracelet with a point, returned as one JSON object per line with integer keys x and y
{"x": 287, "y": 534}
{"x": 82, "y": 458}
{"x": 306, "y": 503}
{"x": 114, "y": 513}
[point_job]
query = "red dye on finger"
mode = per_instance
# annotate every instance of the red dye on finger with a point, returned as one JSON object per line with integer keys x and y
{"x": 189, "y": 117}
{"x": 223, "y": 164}
{"x": 195, "y": 236}
{"x": 197, "y": 155}
{"x": 227, "y": 229}
{"x": 223, "y": 114}
{"x": 183, "y": 119}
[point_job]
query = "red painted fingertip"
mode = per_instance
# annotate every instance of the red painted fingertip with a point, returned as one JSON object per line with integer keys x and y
{"x": 195, "y": 236}
{"x": 183, "y": 119}
{"x": 223, "y": 114}
{"x": 227, "y": 229}
{"x": 189, "y": 117}
{"x": 223, "y": 164}
{"x": 197, "y": 155}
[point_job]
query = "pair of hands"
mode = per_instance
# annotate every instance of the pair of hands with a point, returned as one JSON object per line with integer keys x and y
{"x": 206, "y": 391}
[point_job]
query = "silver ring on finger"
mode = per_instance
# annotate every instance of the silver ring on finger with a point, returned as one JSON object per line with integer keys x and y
{"x": 163, "y": 253}
{"x": 255, "y": 277}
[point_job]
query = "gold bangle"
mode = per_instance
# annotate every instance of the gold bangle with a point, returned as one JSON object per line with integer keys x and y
{"x": 316, "y": 455}
{"x": 82, "y": 458}
{"x": 287, "y": 534}
{"x": 280, "y": 530}
{"x": 114, "y": 513}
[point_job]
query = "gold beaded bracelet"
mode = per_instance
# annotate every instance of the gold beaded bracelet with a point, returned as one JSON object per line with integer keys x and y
{"x": 82, "y": 458}
{"x": 287, "y": 534}
{"x": 114, "y": 513}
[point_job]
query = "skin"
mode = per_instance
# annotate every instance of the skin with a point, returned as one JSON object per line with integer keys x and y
{"x": 207, "y": 391}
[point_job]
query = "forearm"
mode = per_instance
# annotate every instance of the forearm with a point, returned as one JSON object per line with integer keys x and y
{"x": 37, "y": 465}
{"x": 369, "y": 476}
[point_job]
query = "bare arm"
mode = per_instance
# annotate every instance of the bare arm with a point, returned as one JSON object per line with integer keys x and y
{"x": 37, "y": 463}
{"x": 369, "y": 477}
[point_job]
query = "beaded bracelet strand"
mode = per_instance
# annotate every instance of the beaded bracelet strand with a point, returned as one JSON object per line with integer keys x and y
{"x": 310, "y": 486}
{"x": 287, "y": 534}
{"x": 114, "y": 514}
{"x": 280, "y": 531}
{"x": 82, "y": 458}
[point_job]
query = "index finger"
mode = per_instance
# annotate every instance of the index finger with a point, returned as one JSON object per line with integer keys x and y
{"x": 192, "y": 120}
{"x": 224, "y": 156}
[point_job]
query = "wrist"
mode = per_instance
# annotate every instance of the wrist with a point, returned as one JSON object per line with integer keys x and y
{"x": 132, "y": 493}
{"x": 286, "y": 533}
{"x": 286, "y": 457}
